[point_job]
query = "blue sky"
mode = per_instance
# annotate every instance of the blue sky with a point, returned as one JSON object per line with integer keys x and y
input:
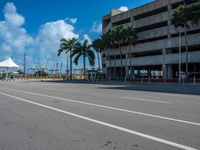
{"x": 36, "y": 26}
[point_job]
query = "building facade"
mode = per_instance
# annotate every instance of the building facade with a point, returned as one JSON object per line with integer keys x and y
{"x": 157, "y": 52}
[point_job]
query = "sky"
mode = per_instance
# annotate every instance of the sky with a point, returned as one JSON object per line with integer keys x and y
{"x": 36, "y": 26}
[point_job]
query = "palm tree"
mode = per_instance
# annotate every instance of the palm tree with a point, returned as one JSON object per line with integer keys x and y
{"x": 130, "y": 39}
{"x": 83, "y": 50}
{"x": 97, "y": 45}
{"x": 68, "y": 46}
{"x": 182, "y": 17}
{"x": 106, "y": 43}
{"x": 118, "y": 38}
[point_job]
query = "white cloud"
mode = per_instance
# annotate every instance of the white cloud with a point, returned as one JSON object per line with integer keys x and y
{"x": 11, "y": 15}
{"x": 86, "y": 37}
{"x": 13, "y": 37}
{"x": 96, "y": 27}
{"x": 48, "y": 38}
{"x": 72, "y": 20}
{"x": 123, "y": 8}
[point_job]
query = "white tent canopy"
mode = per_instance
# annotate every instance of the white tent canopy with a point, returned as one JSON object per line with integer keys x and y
{"x": 8, "y": 63}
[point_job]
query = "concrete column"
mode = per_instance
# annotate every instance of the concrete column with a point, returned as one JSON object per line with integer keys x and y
{"x": 169, "y": 7}
{"x": 164, "y": 71}
{"x": 169, "y": 71}
{"x": 163, "y": 57}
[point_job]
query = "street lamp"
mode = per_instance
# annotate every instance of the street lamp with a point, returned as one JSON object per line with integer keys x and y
{"x": 179, "y": 66}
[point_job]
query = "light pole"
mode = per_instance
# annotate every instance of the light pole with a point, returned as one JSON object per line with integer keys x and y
{"x": 179, "y": 66}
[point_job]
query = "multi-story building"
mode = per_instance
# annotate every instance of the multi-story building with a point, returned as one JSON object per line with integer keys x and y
{"x": 156, "y": 53}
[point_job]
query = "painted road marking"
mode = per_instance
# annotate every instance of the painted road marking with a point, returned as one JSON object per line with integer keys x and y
{"x": 109, "y": 107}
{"x": 74, "y": 92}
{"x": 178, "y": 95}
{"x": 137, "y": 99}
{"x": 104, "y": 124}
{"x": 146, "y": 100}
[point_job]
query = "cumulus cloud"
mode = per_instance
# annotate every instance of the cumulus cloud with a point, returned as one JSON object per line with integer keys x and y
{"x": 96, "y": 27}
{"x": 42, "y": 48}
{"x": 48, "y": 38}
{"x": 72, "y": 20}
{"x": 123, "y": 8}
{"x": 12, "y": 34}
{"x": 14, "y": 39}
{"x": 11, "y": 15}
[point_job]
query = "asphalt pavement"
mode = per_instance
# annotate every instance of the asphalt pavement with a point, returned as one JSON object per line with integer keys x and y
{"x": 38, "y": 115}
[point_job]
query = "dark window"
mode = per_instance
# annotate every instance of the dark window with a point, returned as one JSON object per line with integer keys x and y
{"x": 149, "y": 53}
{"x": 121, "y": 22}
{"x": 150, "y": 13}
{"x": 113, "y": 57}
{"x": 152, "y": 26}
{"x": 192, "y": 48}
{"x": 188, "y": 32}
{"x": 152, "y": 39}
{"x": 103, "y": 65}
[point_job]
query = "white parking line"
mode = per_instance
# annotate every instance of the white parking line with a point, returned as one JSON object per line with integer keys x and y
{"x": 95, "y": 94}
{"x": 105, "y": 124}
{"x": 108, "y": 107}
{"x": 137, "y": 99}
{"x": 178, "y": 95}
{"x": 146, "y": 100}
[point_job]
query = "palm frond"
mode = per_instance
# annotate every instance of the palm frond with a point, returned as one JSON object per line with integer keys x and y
{"x": 91, "y": 57}
{"x": 60, "y": 51}
{"x": 76, "y": 59}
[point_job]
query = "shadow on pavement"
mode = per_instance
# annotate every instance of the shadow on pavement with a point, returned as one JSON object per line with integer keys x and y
{"x": 152, "y": 87}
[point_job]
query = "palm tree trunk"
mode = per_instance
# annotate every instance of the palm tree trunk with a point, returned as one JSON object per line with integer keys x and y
{"x": 115, "y": 67}
{"x": 186, "y": 51}
{"x": 109, "y": 64}
{"x": 67, "y": 66}
{"x": 70, "y": 66}
{"x": 130, "y": 59}
{"x": 121, "y": 63}
{"x": 99, "y": 65}
{"x": 84, "y": 66}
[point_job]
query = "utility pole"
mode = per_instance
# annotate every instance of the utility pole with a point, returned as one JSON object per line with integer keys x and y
{"x": 24, "y": 64}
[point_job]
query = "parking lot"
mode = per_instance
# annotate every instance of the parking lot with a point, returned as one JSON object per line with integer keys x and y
{"x": 78, "y": 116}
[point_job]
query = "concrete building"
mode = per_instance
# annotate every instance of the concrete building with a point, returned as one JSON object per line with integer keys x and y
{"x": 156, "y": 53}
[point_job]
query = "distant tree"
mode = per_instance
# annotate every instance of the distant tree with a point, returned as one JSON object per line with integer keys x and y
{"x": 83, "y": 50}
{"x": 106, "y": 44}
{"x": 41, "y": 73}
{"x": 68, "y": 46}
{"x": 97, "y": 45}
{"x": 20, "y": 72}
